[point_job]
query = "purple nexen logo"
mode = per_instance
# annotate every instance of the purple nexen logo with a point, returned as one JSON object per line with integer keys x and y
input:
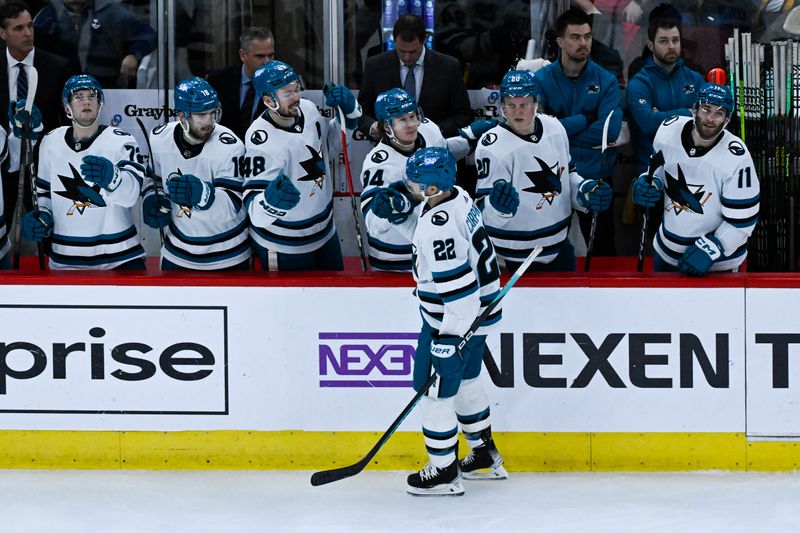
{"x": 366, "y": 359}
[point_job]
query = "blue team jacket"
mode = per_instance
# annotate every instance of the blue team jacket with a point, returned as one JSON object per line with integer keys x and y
{"x": 593, "y": 94}
{"x": 672, "y": 93}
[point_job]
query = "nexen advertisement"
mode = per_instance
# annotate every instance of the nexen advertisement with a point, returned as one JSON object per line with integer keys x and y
{"x": 574, "y": 359}
{"x": 113, "y": 360}
{"x": 340, "y": 358}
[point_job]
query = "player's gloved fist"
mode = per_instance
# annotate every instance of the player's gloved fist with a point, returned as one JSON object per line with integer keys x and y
{"x": 281, "y": 193}
{"x": 156, "y": 211}
{"x": 504, "y": 198}
{"x": 647, "y": 194}
{"x": 595, "y": 195}
{"x": 394, "y": 203}
{"x": 101, "y": 171}
{"x": 699, "y": 257}
{"x": 446, "y": 358}
{"x": 36, "y": 225}
{"x": 474, "y": 131}
{"x": 338, "y": 95}
{"x": 20, "y": 118}
{"x": 190, "y": 191}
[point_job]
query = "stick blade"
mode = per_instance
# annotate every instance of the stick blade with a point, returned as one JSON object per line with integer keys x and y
{"x": 324, "y": 477}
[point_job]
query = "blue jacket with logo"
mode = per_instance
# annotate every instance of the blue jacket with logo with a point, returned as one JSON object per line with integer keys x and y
{"x": 582, "y": 105}
{"x": 672, "y": 93}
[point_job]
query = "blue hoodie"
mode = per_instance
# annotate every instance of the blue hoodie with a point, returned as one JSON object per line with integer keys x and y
{"x": 582, "y": 105}
{"x": 672, "y": 93}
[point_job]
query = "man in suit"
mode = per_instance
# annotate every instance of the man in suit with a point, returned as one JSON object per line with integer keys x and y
{"x": 234, "y": 84}
{"x": 434, "y": 79}
{"x": 16, "y": 29}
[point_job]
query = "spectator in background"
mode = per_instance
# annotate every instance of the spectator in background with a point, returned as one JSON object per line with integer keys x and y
{"x": 663, "y": 87}
{"x": 16, "y": 30}
{"x": 234, "y": 84}
{"x": 101, "y": 38}
{"x": 434, "y": 79}
{"x": 582, "y": 94}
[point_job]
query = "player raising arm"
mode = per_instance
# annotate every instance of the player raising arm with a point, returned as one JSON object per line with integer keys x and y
{"x": 405, "y": 131}
{"x": 457, "y": 276}
{"x": 198, "y": 160}
{"x": 710, "y": 189}
{"x": 288, "y": 194}
{"x": 88, "y": 183}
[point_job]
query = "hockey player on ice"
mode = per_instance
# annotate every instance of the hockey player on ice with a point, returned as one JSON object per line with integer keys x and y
{"x": 201, "y": 206}
{"x": 457, "y": 276}
{"x": 288, "y": 194}
{"x": 527, "y": 184}
{"x": 709, "y": 186}
{"x": 405, "y": 130}
{"x": 88, "y": 181}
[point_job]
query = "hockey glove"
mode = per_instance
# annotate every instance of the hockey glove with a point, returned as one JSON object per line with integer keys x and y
{"x": 699, "y": 257}
{"x": 101, "y": 171}
{"x": 504, "y": 198}
{"x": 647, "y": 194}
{"x": 474, "y": 131}
{"x": 152, "y": 214}
{"x": 36, "y": 225}
{"x": 20, "y": 118}
{"x": 190, "y": 191}
{"x": 595, "y": 195}
{"x": 338, "y": 95}
{"x": 394, "y": 203}
{"x": 446, "y": 358}
{"x": 281, "y": 193}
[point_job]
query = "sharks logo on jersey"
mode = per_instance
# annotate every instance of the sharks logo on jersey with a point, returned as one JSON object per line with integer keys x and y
{"x": 81, "y": 193}
{"x": 685, "y": 196}
{"x": 315, "y": 169}
{"x": 546, "y": 181}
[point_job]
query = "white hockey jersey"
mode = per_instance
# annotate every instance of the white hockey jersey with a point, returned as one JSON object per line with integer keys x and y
{"x": 706, "y": 190}
{"x": 455, "y": 266}
{"x": 300, "y": 152}
{"x": 93, "y": 228}
{"x": 389, "y": 245}
{"x": 540, "y": 169}
{"x": 203, "y": 239}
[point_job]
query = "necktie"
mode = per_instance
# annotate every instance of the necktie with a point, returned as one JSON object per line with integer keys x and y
{"x": 247, "y": 105}
{"x": 410, "y": 85}
{"x": 22, "y": 82}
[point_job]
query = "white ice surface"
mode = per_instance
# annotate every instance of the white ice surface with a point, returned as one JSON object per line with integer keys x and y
{"x": 168, "y": 501}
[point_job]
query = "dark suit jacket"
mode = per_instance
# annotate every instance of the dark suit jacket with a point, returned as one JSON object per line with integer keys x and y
{"x": 443, "y": 96}
{"x": 53, "y": 74}
{"x": 227, "y": 82}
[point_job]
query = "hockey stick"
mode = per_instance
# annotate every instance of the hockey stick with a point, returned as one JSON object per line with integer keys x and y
{"x": 24, "y": 169}
{"x": 656, "y": 161}
{"x": 356, "y": 210}
{"x": 593, "y": 227}
{"x": 329, "y": 476}
{"x": 151, "y": 168}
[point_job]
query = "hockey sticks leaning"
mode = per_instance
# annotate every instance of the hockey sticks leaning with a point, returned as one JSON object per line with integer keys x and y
{"x": 593, "y": 227}
{"x": 656, "y": 160}
{"x": 329, "y": 476}
{"x": 151, "y": 168}
{"x": 352, "y": 191}
{"x": 25, "y": 157}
